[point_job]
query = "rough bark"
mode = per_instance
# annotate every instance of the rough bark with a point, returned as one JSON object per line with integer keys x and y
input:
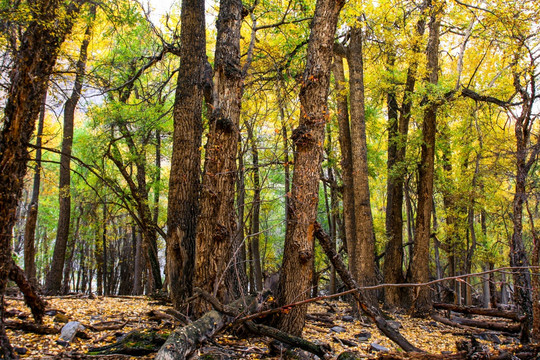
{"x": 53, "y": 283}
{"x": 420, "y": 260}
{"x": 184, "y": 182}
{"x": 308, "y": 139}
{"x": 216, "y": 227}
{"x": 36, "y": 57}
{"x": 360, "y": 296}
{"x": 31, "y": 219}
{"x": 362, "y": 251}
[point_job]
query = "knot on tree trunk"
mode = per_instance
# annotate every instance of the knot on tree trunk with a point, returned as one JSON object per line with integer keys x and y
{"x": 302, "y": 136}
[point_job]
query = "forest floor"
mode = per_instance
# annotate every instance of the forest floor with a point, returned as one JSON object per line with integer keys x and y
{"x": 328, "y": 322}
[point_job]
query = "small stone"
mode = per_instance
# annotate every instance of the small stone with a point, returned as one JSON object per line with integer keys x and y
{"x": 363, "y": 336}
{"x": 338, "y": 329}
{"x": 377, "y": 347}
{"x": 433, "y": 323}
{"x": 20, "y": 350}
{"x": 70, "y": 330}
{"x": 51, "y": 312}
{"x": 60, "y": 318}
{"x": 396, "y": 325}
{"x": 347, "y": 318}
{"x": 62, "y": 343}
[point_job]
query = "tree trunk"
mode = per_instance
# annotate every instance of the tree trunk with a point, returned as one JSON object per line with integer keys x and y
{"x": 53, "y": 283}
{"x": 308, "y": 138}
{"x": 255, "y": 213}
{"x": 397, "y": 146}
{"x": 216, "y": 227}
{"x": 31, "y": 219}
{"x": 361, "y": 252}
{"x": 184, "y": 182}
{"x": 349, "y": 217}
{"x": 36, "y": 57}
{"x": 420, "y": 260}
{"x": 72, "y": 247}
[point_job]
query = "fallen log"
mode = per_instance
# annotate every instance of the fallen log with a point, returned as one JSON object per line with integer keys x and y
{"x": 31, "y": 296}
{"x": 371, "y": 311}
{"x": 134, "y": 343}
{"x": 31, "y": 327}
{"x": 478, "y": 311}
{"x": 490, "y": 325}
{"x": 182, "y": 342}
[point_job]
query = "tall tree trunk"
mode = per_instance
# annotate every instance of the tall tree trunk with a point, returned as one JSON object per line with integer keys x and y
{"x": 255, "y": 212}
{"x": 308, "y": 138}
{"x": 518, "y": 255}
{"x": 184, "y": 181}
{"x": 420, "y": 260}
{"x": 36, "y": 57}
{"x": 362, "y": 251}
{"x": 31, "y": 220}
{"x": 216, "y": 227}
{"x": 349, "y": 217}
{"x": 397, "y": 147}
{"x": 53, "y": 283}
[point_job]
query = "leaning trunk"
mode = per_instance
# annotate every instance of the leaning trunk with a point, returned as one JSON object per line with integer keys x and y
{"x": 31, "y": 220}
{"x": 36, "y": 57}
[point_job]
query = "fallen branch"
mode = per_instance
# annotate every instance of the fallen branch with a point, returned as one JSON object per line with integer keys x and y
{"x": 479, "y": 311}
{"x": 371, "y": 311}
{"x": 31, "y": 296}
{"x": 490, "y": 325}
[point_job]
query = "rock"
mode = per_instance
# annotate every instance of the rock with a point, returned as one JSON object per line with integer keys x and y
{"x": 51, "y": 312}
{"x": 61, "y": 318}
{"x": 433, "y": 323}
{"x": 70, "y": 330}
{"x": 377, "y": 347}
{"x": 396, "y": 325}
{"x": 338, "y": 329}
{"x": 20, "y": 350}
{"x": 347, "y": 318}
{"x": 363, "y": 335}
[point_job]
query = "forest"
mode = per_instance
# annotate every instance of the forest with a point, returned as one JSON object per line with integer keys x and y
{"x": 245, "y": 161}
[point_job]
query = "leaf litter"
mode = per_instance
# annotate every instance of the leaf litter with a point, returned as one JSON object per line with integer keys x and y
{"x": 327, "y": 323}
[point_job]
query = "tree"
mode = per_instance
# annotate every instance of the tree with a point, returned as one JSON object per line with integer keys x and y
{"x": 308, "y": 140}
{"x": 49, "y": 23}
{"x": 54, "y": 278}
{"x": 216, "y": 227}
{"x": 184, "y": 182}
{"x": 362, "y": 247}
{"x": 420, "y": 260}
